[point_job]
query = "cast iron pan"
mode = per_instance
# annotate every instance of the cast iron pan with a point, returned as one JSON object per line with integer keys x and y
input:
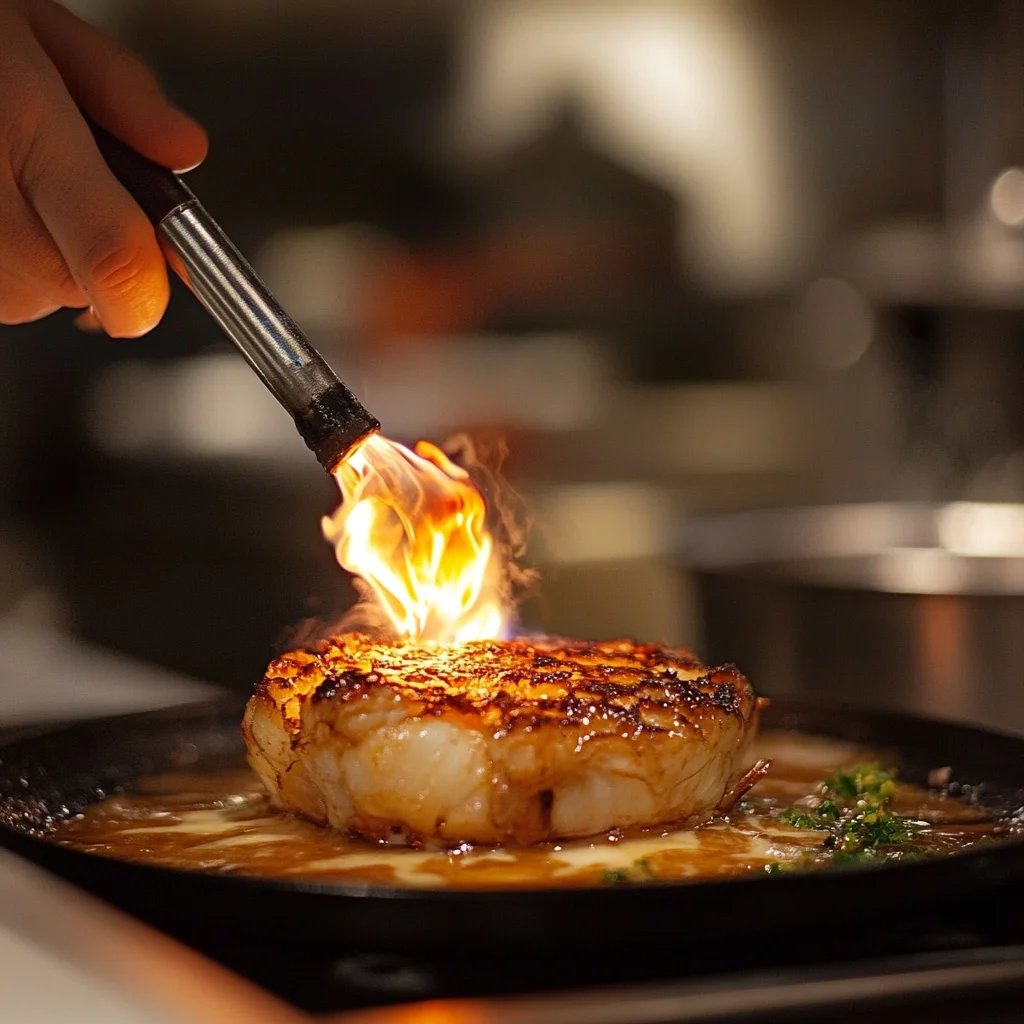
{"x": 52, "y": 774}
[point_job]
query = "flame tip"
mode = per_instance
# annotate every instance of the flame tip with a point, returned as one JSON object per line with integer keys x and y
{"x": 412, "y": 525}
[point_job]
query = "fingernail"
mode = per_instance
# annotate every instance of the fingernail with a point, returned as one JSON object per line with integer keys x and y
{"x": 89, "y": 322}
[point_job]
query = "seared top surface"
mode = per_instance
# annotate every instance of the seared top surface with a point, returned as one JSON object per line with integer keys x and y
{"x": 519, "y": 683}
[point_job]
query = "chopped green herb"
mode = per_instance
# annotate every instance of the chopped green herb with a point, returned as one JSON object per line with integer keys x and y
{"x": 641, "y": 871}
{"x": 854, "y": 810}
{"x": 861, "y": 855}
{"x": 869, "y": 782}
{"x": 614, "y": 877}
{"x": 643, "y": 866}
{"x": 842, "y": 785}
{"x": 807, "y": 859}
{"x": 880, "y": 828}
{"x": 828, "y": 808}
{"x": 791, "y": 816}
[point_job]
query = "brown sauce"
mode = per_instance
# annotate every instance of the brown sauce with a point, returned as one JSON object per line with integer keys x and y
{"x": 222, "y": 822}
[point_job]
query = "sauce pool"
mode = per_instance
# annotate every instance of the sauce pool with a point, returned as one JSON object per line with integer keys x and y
{"x": 223, "y": 822}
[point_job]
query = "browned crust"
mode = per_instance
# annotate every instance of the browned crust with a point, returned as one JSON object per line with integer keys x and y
{"x": 517, "y": 684}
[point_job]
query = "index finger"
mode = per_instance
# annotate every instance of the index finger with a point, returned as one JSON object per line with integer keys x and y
{"x": 116, "y": 88}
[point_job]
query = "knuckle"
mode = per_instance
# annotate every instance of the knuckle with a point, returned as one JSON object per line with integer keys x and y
{"x": 116, "y": 263}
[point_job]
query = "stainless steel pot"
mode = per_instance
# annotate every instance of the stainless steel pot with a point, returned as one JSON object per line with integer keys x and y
{"x": 913, "y": 606}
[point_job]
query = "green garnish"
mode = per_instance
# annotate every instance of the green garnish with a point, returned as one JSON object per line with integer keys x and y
{"x": 791, "y": 816}
{"x": 643, "y": 866}
{"x": 828, "y": 808}
{"x": 853, "y": 809}
{"x": 869, "y": 782}
{"x": 614, "y": 877}
{"x": 807, "y": 859}
{"x": 641, "y": 871}
{"x": 847, "y": 858}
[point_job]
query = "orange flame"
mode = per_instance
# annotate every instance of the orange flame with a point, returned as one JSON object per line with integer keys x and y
{"x": 412, "y": 525}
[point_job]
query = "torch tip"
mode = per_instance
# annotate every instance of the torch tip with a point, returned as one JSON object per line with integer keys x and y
{"x": 334, "y": 425}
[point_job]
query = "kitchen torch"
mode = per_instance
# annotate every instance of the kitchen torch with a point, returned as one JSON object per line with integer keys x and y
{"x": 329, "y": 417}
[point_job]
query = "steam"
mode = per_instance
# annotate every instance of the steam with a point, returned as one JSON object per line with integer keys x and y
{"x": 508, "y": 516}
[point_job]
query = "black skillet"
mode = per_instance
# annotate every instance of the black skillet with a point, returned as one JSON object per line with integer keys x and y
{"x": 51, "y": 774}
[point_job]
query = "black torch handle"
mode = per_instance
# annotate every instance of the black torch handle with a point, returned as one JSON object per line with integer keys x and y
{"x": 157, "y": 190}
{"x": 327, "y": 414}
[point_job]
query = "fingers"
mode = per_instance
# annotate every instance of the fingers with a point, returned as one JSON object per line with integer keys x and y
{"x": 107, "y": 244}
{"x": 88, "y": 322}
{"x": 70, "y": 235}
{"x": 116, "y": 88}
{"x": 34, "y": 279}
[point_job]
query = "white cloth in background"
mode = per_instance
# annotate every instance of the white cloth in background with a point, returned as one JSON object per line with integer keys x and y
{"x": 49, "y": 676}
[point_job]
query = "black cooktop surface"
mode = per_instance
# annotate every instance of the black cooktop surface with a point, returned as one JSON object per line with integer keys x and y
{"x": 965, "y": 963}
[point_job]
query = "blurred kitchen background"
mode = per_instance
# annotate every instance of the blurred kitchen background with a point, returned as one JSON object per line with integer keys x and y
{"x": 690, "y": 257}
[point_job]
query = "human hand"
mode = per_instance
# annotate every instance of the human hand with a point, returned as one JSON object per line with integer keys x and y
{"x": 70, "y": 235}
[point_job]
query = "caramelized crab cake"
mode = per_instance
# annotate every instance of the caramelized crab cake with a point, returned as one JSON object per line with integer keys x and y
{"x": 496, "y": 741}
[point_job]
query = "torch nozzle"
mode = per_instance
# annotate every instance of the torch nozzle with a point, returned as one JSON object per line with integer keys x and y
{"x": 330, "y": 418}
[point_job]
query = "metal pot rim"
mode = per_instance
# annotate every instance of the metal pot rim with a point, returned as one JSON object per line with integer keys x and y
{"x": 893, "y": 547}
